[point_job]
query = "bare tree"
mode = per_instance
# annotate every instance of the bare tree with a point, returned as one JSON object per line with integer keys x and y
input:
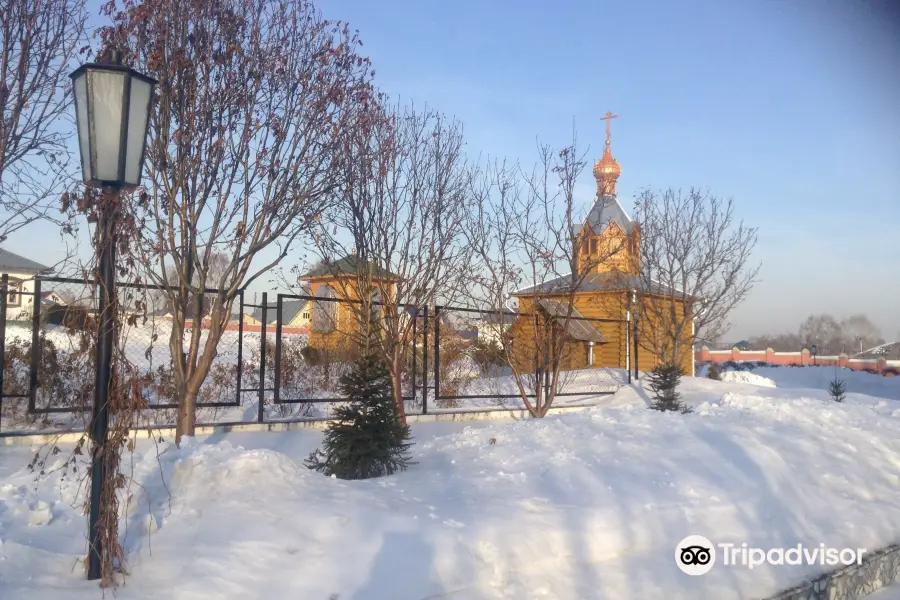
{"x": 245, "y": 149}
{"x": 526, "y": 232}
{"x": 218, "y": 267}
{"x": 39, "y": 42}
{"x": 782, "y": 342}
{"x": 402, "y": 215}
{"x": 859, "y": 333}
{"x": 694, "y": 267}
{"x": 823, "y": 331}
{"x": 851, "y": 334}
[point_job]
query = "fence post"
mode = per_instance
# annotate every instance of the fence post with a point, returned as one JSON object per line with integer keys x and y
{"x": 240, "y": 356}
{"x": 278, "y": 313}
{"x": 425, "y": 362}
{"x": 628, "y": 345}
{"x": 628, "y": 352}
{"x": 261, "y": 413}
{"x": 35, "y": 346}
{"x": 4, "y": 287}
{"x": 414, "y": 351}
{"x": 636, "y": 344}
{"x": 100, "y": 416}
{"x": 437, "y": 353}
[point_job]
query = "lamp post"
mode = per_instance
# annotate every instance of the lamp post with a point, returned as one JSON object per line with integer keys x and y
{"x": 112, "y": 112}
{"x": 815, "y": 350}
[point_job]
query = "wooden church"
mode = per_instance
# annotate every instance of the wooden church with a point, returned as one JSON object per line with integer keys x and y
{"x": 609, "y": 287}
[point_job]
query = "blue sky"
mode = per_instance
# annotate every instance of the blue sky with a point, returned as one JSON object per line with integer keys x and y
{"x": 791, "y": 107}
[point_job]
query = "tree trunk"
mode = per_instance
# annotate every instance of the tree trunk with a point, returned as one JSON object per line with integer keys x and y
{"x": 396, "y": 384}
{"x": 186, "y": 423}
{"x": 187, "y": 407}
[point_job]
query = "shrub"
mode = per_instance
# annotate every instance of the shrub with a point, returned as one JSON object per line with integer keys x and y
{"x": 664, "y": 380}
{"x": 311, "y": 355}
{"x": 488, "y": 356}
{"x": 837, "y": 388}
{"x": 65, "y": 376}
{"x": 713, "y": 372}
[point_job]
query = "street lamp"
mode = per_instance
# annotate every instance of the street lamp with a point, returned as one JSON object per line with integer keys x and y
{"x": 815, "y": 350}
{"x": 112, "y": 111}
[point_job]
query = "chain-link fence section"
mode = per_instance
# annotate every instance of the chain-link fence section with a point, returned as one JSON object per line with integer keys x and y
{"x": 492, "y": 358}
{"x": 49, "y": 353}
{"x": 452, "y": 358}
{"x": 317, "y": 339}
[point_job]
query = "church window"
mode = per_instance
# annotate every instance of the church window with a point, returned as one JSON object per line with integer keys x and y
{"x": 594, "y": 246}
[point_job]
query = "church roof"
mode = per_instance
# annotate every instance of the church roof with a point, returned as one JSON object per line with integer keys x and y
{"x": 577, "y": 326}
{"x": 348, "y": 265}
{"x": 598, "y": 282}
{"x": 607, "y": 210}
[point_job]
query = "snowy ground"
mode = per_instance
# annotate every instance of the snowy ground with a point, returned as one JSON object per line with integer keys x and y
{"x": 858, "y": 382}
{"x": 888, "y": 593}
{"x": 583, "y": 505}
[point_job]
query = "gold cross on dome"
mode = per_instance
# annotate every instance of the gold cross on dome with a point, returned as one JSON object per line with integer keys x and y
{"x": 609, "y": 116}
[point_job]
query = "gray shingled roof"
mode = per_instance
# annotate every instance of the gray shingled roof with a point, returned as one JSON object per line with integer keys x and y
{"x": 596, "y": 282}
{"x": 349, "y": 264}
{"x": 607, "y": 210}
{"x": 13, "y": 263}
{"x": 577, "y": 327}
{"x": 289, "y": 310}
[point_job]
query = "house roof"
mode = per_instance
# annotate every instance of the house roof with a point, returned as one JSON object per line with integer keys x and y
{"x": 13, "y": 263}
{"x": 289, "y": 310}
{"x": 607, "y": 210}
{"x": 577, "y": 327}
{"x": 597, "y": 282}
{"x": 889, "y": 351}
{"x": 350, "y": 265}
{"x": 493, "y": 318}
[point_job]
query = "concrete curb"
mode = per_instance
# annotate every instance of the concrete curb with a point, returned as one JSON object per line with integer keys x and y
{"x": 71, "y": 437}
{"x": 879, "y": 569}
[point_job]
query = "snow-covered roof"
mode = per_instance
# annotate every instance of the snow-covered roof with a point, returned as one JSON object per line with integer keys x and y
{"x": 887, "y": 351}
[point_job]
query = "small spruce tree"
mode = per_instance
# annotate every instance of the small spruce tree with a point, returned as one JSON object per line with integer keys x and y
{"x": 366, "y": 439}
{"x": 713, "y": 372}
{"x": 837, "y": 388}
{"x": 664, "y": 380}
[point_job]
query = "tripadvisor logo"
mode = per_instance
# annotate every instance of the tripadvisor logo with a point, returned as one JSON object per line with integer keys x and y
{"x": 696, "y": 555}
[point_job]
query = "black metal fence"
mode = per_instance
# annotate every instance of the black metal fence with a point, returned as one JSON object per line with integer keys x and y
{"x": 276, "y": 361}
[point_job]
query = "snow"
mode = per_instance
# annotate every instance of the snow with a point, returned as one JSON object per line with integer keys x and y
{"x": 747, "y": 377}
{"x": 858, "y": 382}
{"x": 891, "y": 592}
{"x": 583, "y": 505}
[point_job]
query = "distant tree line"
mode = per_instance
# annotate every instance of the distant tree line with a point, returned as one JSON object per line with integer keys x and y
{"x": 830, "y": 336}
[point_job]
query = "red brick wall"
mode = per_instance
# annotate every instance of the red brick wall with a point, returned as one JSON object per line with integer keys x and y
{"x": 234, "y": 326}
{"x": 802, "y": 358}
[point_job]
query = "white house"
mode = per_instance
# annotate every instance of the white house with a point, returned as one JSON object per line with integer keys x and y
{"x": 20, "y": 291}
{"x": 493, "y": 326}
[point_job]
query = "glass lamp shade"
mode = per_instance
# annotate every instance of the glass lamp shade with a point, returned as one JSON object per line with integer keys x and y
{"x": 112, "y": 110}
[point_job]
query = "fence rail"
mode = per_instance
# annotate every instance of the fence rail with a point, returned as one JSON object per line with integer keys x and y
{"x": 276, "y": 361}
